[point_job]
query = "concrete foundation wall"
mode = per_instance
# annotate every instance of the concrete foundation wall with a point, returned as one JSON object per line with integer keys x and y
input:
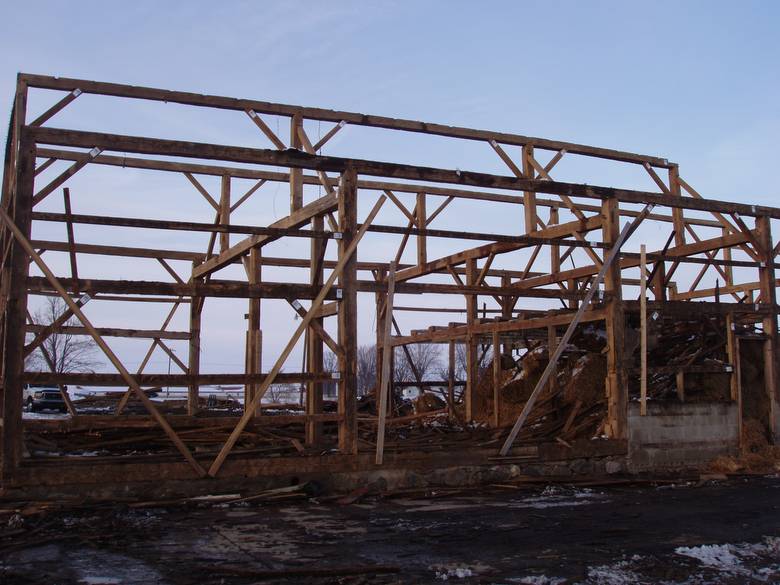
{"x": 681, "y": 435}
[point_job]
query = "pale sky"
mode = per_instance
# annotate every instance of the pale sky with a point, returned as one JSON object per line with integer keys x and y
{"x": 694, "y": 82}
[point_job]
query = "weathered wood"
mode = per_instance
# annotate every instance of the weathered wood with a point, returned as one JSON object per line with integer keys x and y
{"x": 537, "y": 237}
{"x": 282, "y": 177}
{"x": 18, "y": 189}
{"x": 22, "y": 240}
{"x": 109, "y": 332}
{"x": 172, "y": 380}
{"x": 347, "y": 317}
{"x": 228, "y": 103}
{"x": 344, "y": 258}
{"x": 296, "y": 159}
{"x": 496, "y": 380}
{"x": 384, "y": 386}
{"x": 570, "y": 331}
{"x": 472, "y": 364}
{"x": 295, "y": 220}
{"x": 643, "y": 332}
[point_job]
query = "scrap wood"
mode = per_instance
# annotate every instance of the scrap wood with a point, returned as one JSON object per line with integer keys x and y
{"x": 243, "y": 571}
{"x": 298, "y": 489}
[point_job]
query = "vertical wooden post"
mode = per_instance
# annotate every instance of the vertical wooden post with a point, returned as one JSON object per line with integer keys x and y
{"x": 617, "y": 394}
{"x": 224, "y": 212}
{"x": 552, "y": 344}
{"x": 658, "y": 282}
{"x": 738, "y": 375}
{"x": 314, "y": 347}
{"x": 574, "y": 304}
{"x": 555, "y": 249}
{"x": 451, "y": 378}
{"x": 472, "y": 367}
{"x": 507, "y": 306}
{"x": 379, "y": 299}
{"x": 16, "y": 272}
{"x": 529, "y": 197}
{"x": 296, "y": 175}
{"x": 766, "y": 274}
{"x": 496, "y": 380}
{"x": 679, "y": 380}
{"x": 678, "y": 220}
{"x": 643, "y": 330}
{"x": 254, "y": 333}
{"x": 384, "y": 388}
{"x": 347, "y": 399}
{"x": 422, "y": 241}
{"x": 193, "y": 390}
{"x": 731, "y": 353}
{"x": 729, "y": 270}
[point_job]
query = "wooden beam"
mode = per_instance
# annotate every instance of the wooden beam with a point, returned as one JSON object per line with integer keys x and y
{"x": 265, "y": 129}
{"x": 297, "y": 159}
{"x": 229, "y": 103}
{"x": 551, "y": 232}
{"x": 643, "y": 332}
{"x": 295, "y": 220}
{"x": 64, "y": 176}
{"x": 110, "y": 332}
{"x": 367, "y": 185}
{"x": 56, "y": 108}
{"x": 387, "y": 348}
{"x": 74, "y": 272}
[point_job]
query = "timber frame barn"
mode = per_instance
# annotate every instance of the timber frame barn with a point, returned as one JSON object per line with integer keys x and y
{"x": 521, "y": 279}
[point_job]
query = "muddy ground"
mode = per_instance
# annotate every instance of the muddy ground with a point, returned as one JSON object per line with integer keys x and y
{"x": 702, "y": 532}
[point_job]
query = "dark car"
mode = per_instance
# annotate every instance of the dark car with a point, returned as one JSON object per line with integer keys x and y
{"x": 37, "y": 398}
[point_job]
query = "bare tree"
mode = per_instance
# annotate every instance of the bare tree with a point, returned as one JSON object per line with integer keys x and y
{"x": 366, "y": 369}
{"x": 61, "y": 352}
{"x": 425, "y": 357}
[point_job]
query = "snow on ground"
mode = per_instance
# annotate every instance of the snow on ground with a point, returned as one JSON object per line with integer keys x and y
{"x": 739, "y": 560}
{"x": 560, "y": 497}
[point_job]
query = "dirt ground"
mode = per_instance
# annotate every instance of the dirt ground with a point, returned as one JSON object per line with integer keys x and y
{"x": 696, "y": 532}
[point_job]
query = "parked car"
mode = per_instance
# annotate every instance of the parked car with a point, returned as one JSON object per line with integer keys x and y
{"x": 39, "y": 397}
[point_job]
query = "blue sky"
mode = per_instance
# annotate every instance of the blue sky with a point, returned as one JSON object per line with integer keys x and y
{"x": 696, "y": 82}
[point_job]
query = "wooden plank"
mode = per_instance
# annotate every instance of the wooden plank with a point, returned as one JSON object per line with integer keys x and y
{"x": 643, "y": 332}
{"x": 272, "y": 375}
{"x": 56, "y": 108}
{"x": 74, "y": 272}
{"x": 422, "y": 222}
{"x": 496, "y": 380}
{"x": 130, "y": 252}
{"x": 264, "y": 128}
{"x": 552, "y": 232}
{"x": 295, "y": 220}
{"x": 173, "y": 380}
{"x": 19, "y": 189}
{"x": 110, "y": 332}
{"x": 627, "y": 230}
{"x": 64, "y": 176}
{"x": 228, "y": 103}
{"x": 347, "y": 317}
{"x": 297, "y": 159}
{"x": 387, "y": 348}
{"x": 472, "y": 364}
{"x": 202, "y": 190}
{"x": 680, "y": 252}
{"x": 282, "y": 177}
{"x": 224, "y": 212}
